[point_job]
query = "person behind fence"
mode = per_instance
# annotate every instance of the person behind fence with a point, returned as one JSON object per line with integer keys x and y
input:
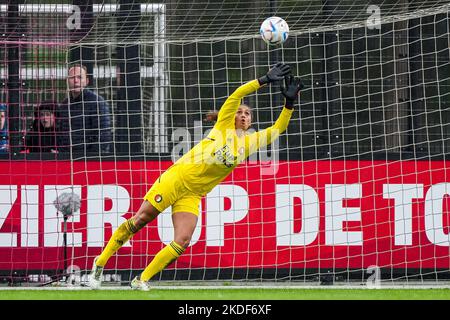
{"x": 86, "y": 115}
{"x": 4, "y": 138}
{"x": 42, "y": 136}
{"x": 197, "y": 172}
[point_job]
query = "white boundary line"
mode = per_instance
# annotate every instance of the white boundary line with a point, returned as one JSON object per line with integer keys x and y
{"x": 238, "y": 287}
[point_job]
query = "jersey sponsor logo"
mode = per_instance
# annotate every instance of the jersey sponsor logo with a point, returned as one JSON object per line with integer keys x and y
{"x": 225, "y": 156}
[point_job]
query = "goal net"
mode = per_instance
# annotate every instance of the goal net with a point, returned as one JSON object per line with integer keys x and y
{"x": 356, "y": 189}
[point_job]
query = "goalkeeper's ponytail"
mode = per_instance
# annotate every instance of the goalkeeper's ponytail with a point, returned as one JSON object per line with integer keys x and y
{"x": 211, "y": 116}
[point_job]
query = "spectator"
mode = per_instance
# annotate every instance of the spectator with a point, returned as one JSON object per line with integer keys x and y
{"x": 4, "y": 139}
{"x": 42, "y": 135}
{"x": 86, "y": 115}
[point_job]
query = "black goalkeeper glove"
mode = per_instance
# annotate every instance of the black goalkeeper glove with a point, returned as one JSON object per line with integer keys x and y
{"x": 291, "y": 89}
{"x": 278, "y": 72}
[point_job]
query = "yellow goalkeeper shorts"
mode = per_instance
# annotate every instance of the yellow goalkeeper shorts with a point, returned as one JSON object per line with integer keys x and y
{"x": 169, "y": 190}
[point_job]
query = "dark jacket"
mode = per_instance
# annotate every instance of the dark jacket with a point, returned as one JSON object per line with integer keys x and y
{"x": 85, "y": 124}
{"x": 4, "y": 139}
{"x": 39, "y": 138}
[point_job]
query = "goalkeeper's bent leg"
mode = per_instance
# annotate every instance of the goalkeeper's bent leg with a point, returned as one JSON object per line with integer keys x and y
{"x": 163, "y": 258}
{"x": 126, "y": 230}
{"x": 184, "y": 225}
{"x": 121, "y": 236}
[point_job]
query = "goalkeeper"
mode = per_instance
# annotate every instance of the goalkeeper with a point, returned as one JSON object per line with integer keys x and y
{"x": 197, "y": 172}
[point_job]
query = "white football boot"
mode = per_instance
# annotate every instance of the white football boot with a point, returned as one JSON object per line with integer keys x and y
{"x": 138, "y": 284}
{"x": 95, "y": 277}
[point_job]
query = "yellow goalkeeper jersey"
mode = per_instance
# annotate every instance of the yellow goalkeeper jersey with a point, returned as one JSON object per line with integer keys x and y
{"x": 212, "y": 159}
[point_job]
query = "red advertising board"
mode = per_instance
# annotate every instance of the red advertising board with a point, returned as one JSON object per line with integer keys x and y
{"x": 310, "y": 214}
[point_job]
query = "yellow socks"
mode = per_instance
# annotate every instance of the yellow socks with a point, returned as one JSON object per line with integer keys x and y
{"x": 125, "y": 231}
{"x": 163, "y": 258}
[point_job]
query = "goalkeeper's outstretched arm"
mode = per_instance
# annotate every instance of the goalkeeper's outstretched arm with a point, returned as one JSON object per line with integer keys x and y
{"x": 259, "y": 139}
{"x": 227, "y": 113}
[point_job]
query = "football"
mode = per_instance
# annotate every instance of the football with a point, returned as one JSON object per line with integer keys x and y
{"x": 274, "y": 30}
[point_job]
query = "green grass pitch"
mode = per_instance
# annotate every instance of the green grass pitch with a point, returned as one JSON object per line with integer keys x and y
{"x": 230, "y": 294}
